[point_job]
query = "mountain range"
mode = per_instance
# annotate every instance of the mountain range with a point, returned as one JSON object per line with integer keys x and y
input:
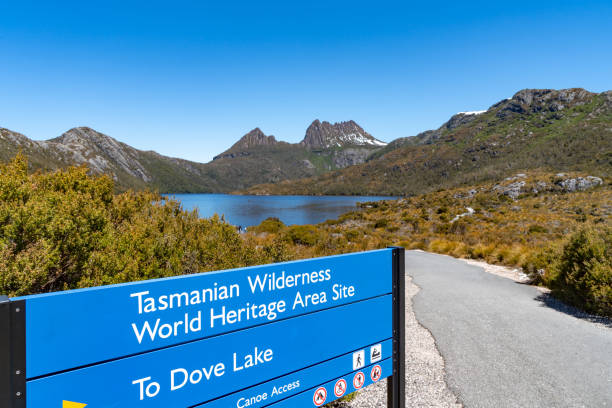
{"x": 548, "y": 130}
{"x": 256, "y": 158}
{"x": 551, "y": 130}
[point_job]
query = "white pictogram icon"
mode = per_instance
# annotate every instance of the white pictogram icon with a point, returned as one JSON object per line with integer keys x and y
{"x": 358, "y": 359}
{"x": 375, "y": 353}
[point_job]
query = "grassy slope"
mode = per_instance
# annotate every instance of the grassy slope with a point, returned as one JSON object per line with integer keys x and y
{"x": 579, "y": 137}
{"x": 528, "y": 232}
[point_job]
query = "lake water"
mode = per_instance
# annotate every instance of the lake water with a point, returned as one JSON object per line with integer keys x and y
{"x": 251, "y": 210}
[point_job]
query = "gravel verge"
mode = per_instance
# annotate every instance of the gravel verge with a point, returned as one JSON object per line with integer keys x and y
{"x": 425, "y": 382}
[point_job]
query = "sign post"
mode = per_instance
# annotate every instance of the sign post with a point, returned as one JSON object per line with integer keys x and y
{"x": 396, "y": 392}
{"x": 300, "y": 333}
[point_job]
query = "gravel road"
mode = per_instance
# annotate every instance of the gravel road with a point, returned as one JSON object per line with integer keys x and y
{"x": 498, "y": 343}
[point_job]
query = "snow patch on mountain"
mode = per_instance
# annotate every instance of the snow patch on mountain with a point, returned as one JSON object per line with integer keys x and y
{"x": 480, "y": 112}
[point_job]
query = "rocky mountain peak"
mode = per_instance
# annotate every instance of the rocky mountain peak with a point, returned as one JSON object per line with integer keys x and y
{"x": 85, "y": 136}
{"x": 325, "y": 135}
{"x": 102, "y": 153}
{"x": 254, "y": 138}
{"x": 542, "y": 100}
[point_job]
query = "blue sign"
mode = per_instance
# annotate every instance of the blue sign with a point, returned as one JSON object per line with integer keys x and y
{"x": 250, "y": 337}
{"x": 325, "y": 393}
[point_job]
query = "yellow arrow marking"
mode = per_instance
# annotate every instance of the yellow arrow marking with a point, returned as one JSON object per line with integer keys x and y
{"x": 70, "y": 404}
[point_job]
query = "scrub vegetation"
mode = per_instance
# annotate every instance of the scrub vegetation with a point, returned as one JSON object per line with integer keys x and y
{"x": 66, "y": 229}
{"x": 558, "y": 232}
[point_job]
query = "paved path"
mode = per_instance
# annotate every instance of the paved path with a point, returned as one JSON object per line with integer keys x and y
{"x": 502, "y": 345}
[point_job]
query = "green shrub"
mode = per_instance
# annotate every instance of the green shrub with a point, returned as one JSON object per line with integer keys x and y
{"x": 381, "y": 223}
{"x": 67, "y": 230}
{"x": 352, "y": 235}
{"x": 537, "y": 262}
{"x": 303, "y": 234}
{"x": 270, "y": 225}
{"x": 535, "y": 228}
{"x": 583, "y": 274}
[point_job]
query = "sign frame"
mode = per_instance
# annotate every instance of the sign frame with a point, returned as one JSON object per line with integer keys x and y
{"x": 13, "y": 343}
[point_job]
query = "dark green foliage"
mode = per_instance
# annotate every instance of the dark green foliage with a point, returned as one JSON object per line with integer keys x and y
{"x": 66, "y": 230}
{"x": 381, "y": 223}
{"x": 583, "y": 274}
{"x": 303, "y": 234}
{"x": 270, "y": 225}
{"x": 534, "y": 228}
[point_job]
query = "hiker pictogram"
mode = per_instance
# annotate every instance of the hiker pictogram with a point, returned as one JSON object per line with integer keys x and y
{"x": 358, "y": 380}
{"x": 320, "y": 396}
{"x": 376, "y": 373}
{"x": 358, "y": 359}
{"x": 340, "y": 388}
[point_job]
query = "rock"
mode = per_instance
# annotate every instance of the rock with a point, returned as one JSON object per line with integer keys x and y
{"x": 326, "y": 135}
{"x": 580, "y": 183}
{"x": 540, "y": 186}
{"x": 512, "y": 190}
{"x": 468, "y": 194}
{"x": 350, "y": 156}
{"x": 308, "y": 164}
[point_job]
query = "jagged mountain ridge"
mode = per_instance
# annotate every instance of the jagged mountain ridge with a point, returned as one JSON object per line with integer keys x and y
{"x": 552, "y": 130}
{"x": 256, "y": 158}
{"x": 324, "y": 135}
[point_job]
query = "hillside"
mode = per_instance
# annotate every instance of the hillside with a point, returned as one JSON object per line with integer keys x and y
{"x": 256, "y": 158}
{"x": 524, "y": 220}
{"x": 535, "y": 129}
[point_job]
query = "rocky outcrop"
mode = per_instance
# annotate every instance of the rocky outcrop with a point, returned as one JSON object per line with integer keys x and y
{"x": 542, "y": 100}
{"x": 580, "y": 183}
{"x": 101, "y": 153}
{"x": 512, "y": 190}
{"x": 518, "y": 185}
{"x": 249, "y": 141}
{"x": 350, "y": 157}
{"x": 254, "y": 138}
{"x": 324, "y": 135}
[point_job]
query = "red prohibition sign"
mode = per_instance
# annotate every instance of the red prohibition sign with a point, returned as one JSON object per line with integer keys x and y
{"x": 340, "y": 388}
{"x": 319, "y": 396}
{"x": 376, "y": 372}
{"x": 358, "y": 380}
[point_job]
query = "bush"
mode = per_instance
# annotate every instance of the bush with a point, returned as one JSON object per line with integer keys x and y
{"x": 352, "y": 235}
{"x": 535, "y": 228}
{"x": 583, "y": 274}
{"x": 67, "y": 230}
{"x": 303, "y": 234}
{"x": 381, "y": 223}
{"x": 271, "y": 225}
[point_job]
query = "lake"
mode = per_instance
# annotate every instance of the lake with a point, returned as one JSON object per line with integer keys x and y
{"x": 251, "y": 210}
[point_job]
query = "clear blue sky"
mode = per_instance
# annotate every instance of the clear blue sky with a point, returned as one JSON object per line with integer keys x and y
{"x": 187, "y": 79}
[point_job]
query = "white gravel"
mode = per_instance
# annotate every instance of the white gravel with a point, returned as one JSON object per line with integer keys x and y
{"x": 516, "y": 274}
{"x": 425, "y": 383}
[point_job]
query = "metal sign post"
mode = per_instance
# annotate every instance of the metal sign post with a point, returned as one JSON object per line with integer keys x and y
{"x": 396, "y": 390}
{"x": 294, "y": 334}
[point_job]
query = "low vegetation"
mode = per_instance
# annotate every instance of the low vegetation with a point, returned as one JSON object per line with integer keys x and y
{"x": 557, "y": 233}
{"x": 67, "y": 230}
